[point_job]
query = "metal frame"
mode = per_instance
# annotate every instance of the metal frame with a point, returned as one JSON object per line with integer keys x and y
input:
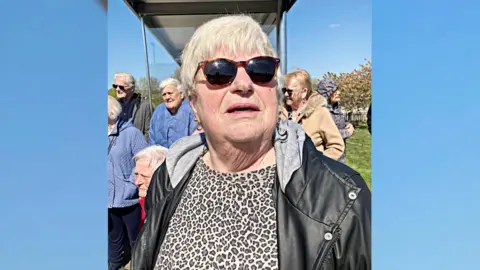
{"x": 281, "y": 8}
{"x": 282, "y": 35}
{"x": 145, "y": 48}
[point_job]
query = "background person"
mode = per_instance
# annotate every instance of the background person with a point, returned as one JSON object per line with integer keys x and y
{"x": 124, "y": 141}
{"x": 134, "y": 106}
{"x": 307, "y": 108}
{"x": 250, "y": 191}
{"x": 328, "y": 88}
{"x": 173, "y": 119}
{"x": 146, "y": 162}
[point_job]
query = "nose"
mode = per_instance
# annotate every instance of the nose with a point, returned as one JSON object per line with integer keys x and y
{"x": 242, "y": 83}
{"x": 138, "y": 181}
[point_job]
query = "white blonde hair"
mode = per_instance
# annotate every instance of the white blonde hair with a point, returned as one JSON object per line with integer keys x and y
{"x": 232, "y": 34}
{"x": 129, "y": 79}
{"x": 171, "y": 82}
{"x": 114, "y": 108}
{"x": 155, "y": 154}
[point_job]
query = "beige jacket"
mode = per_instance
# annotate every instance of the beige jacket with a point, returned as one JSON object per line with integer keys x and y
{"x": 319, "y": 126}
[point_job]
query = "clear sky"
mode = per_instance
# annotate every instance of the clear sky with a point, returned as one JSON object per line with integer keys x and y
{"x": 322, "y": 36}
{"x": 53, "y": 142}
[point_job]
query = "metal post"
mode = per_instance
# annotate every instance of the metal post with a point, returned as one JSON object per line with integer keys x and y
{"x": 147, "y": 67}
{"x": 283, "y": 41}
{"x": 277, "y": 39}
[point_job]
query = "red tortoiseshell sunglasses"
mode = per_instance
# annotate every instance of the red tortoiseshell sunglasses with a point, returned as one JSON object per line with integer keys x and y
{"x": 222, "y": 71}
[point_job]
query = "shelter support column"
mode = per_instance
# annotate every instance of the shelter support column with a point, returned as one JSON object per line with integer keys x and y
{"x": 282, "y": 35}
{"x": 283, "y": 41}
{"x": 147, "y": 66}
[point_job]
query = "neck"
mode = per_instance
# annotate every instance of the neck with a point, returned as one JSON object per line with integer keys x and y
{"x": 295, "y": 110}
{"x": 298, "y": 106}
{"x": 231, "y": 158}
{"x": 129, "y": 96}
{"x": 173, "y": 111}
{"x": 111, "y": 125}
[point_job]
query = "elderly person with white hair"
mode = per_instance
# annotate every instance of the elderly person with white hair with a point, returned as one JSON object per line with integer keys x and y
{"x": 251, "y": 191}
{"x": 124, "y": 211}
{"x": 134, "y": 106}
{"x": 146, "y": 162}
{"x": 173, "y": 119}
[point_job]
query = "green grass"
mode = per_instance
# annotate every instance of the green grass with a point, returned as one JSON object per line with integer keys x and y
{"x": 359, "y": 153}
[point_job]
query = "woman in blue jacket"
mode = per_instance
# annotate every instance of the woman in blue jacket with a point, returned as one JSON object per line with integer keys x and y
{"x": 173, "y": 119}
{"x": 124, "y": 142}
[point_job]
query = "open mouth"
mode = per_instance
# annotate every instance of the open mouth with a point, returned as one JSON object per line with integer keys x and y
{"x": 237, "y": 108}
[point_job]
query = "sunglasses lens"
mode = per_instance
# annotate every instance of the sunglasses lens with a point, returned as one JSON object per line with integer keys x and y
{"x": 262, "y": 69}
{"x": 220, "y": 72}
{"x": 118, "y": 86}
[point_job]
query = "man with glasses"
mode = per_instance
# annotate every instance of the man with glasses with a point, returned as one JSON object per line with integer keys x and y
{"x": 134, "y": 107}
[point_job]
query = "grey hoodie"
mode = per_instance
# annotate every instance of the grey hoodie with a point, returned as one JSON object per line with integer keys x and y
{"x": 288, "y": 143}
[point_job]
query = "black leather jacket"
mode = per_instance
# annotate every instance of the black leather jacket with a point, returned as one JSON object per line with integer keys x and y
{"x": 323, "y": 218}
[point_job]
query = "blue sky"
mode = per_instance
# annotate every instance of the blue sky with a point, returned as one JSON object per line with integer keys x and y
{"x": 425, "y": 153}
{"x": 322, "y": 36}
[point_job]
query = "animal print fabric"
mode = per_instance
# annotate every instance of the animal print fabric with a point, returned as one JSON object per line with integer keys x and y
{"x": 223, "y": 221}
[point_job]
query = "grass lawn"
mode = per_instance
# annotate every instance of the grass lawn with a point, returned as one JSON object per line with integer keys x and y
{"x": 359, "y": 155}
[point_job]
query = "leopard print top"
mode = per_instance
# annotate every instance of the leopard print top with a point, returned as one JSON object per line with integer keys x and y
{"x": 223, "y": 221}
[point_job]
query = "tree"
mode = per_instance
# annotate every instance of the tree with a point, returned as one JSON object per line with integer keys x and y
{"x": 176, "y": 74}
{"x": 142, "y": 88}
{"x": 112, "y": 92}
{"x": 315, "y": 82}
{"x": 355, "y": 87}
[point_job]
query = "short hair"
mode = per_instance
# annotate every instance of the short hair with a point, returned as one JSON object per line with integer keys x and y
{"x": 171, "y": 82}
{"x": 114, "y": 108}
{"x": 303, "y": 77}
{"x": 155, "y": 154}
{"x": 129, "y": 79}
{"x": 232, "y": 34}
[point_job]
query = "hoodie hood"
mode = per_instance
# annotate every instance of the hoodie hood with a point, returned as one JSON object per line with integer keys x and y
{"x": 314, "y": 102}
{"x": 326, "y": 87}
{"x": 121, "y": 126}
{"x": 289, "y": 138}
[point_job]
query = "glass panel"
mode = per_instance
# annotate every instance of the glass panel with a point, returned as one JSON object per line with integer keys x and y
{"x": 166, "y": 37}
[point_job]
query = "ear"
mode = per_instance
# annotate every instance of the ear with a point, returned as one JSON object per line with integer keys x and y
{"x": 304, "y": 92}
{"x": 193, "y": 103}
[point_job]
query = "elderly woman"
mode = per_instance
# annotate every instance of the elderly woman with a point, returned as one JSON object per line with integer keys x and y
{"x": 124, "y": 141}
{"x": 250, "y": 192}
{"x": 308, "y": 109}
{"x": 328, "y": 89}
{"x": 146, "y": 162}
{"x": 172, "y": 119}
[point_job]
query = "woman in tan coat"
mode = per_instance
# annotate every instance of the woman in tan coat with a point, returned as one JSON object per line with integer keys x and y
{"x": 308, "y": 109}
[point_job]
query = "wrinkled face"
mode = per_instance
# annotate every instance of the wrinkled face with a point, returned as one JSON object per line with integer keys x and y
{"x": 335, "y": 97}
{"x": 120, "y": 83}
{"x": 238, "y": 113}
{"x": 295, "y": 94}
{"x": 172, "y": 97}
{"x": 143, "y": 175}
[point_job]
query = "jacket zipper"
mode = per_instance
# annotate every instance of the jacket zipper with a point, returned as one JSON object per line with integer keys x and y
{"x": 329, "y": 246}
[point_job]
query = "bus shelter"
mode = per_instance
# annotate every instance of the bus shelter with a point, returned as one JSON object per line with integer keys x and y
{"x": 173, "y": 22}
